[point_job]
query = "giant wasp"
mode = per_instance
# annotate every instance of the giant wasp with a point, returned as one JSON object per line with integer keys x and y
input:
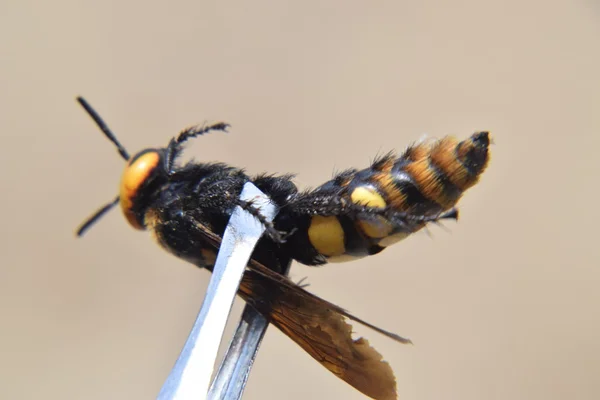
{"x": 356, "y": 214}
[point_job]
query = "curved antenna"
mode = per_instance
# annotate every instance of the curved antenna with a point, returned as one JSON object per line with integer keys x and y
{"x": 175, "y": 145}
{"x": 103, "y": 127}
{"x": 97, "y": 215}
{"x": 198, "y": 130}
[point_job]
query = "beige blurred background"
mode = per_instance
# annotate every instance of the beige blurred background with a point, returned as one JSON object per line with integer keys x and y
{"x": 504, "y": 304}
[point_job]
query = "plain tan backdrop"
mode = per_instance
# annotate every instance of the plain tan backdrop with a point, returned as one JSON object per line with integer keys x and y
{"x": 504, "y": 304}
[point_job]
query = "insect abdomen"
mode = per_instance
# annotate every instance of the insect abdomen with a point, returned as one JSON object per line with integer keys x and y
{"x": 427, "y": 179}
{"x": 431, "y": 177}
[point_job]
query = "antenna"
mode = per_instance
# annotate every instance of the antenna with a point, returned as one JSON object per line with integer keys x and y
{"x": 97, "y": 215}
{"x": 111, "y": 136}
{"x": 103, "y": 127}
{"x": 175, "y": 144}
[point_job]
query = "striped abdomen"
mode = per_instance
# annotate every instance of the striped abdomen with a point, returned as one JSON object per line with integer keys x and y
{"x": 427, "y": 179}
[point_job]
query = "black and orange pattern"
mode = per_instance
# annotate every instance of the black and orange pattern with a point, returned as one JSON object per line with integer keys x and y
{"x": 398, "y": 195}
{"x": 356, "y": 214}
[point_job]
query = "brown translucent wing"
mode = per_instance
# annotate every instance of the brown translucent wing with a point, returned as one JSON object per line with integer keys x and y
{"x": 319, "y": 327}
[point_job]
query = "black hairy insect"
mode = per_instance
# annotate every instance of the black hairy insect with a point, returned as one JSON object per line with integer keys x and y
{"x": 356, "y": 214}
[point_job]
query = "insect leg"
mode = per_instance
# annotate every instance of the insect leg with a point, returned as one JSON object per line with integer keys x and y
{"x": 276, "y": 235}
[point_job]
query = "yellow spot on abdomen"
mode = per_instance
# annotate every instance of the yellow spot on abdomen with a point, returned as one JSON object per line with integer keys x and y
{"x": 327, "y": 235}
{"x": 367, "y": 196}
{"x": 378, "y": 226}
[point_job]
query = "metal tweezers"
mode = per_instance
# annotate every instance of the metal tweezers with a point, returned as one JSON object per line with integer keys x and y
{"x": 190, "y": 377}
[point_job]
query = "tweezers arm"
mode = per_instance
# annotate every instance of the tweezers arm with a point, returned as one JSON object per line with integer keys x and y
{"x": 190, "y": 377}
{"x": 230, "y": 380}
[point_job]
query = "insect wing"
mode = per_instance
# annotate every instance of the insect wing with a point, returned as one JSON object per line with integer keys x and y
{"x": 318, "y": 327}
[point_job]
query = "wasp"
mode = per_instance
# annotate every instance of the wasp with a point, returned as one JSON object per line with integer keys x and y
{"x": 356, "y": 214}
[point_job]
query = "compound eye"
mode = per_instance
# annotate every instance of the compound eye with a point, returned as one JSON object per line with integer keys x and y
{"x": 139, "y": 170}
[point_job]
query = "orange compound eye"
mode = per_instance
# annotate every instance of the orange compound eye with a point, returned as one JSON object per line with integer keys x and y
{"x": 138, "y": 171}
